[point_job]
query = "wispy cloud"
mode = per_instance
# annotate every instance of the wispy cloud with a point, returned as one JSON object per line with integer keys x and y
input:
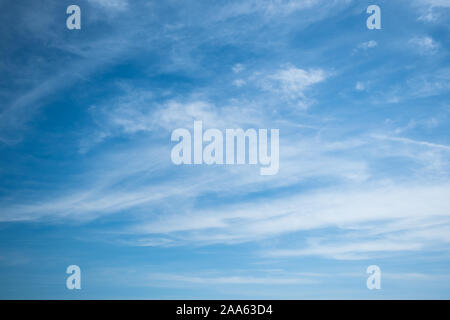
{"x": 229, "y": 280}
{"x": 291, "y": 83}
{"x": 113, "y": 5}
{"x": 349, "y": 250}
{"x": 411, "y": 141}
{"x": 368, "y": 45}
{"x": 359, "y": 86}
{"x": 425, "y": 45}
{"x": 360, "y": 177}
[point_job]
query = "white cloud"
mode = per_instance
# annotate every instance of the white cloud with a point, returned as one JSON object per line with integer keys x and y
{"x": 430, "y": 9}
{"x": 435, "y": 3}
{"x": 398, "y": 219}
{"x": 352, "y": 250}
{"x": 239, "y": 82}
{"x": 137, "y": 111}
{"x": 360, "y": 86}
{"x": 411, "y": 141}
{"x": 368, "y": 44}
{"x": 229, "y": 280}
{"x": 267, "y": 7}
{"x": 425, "y": 45}
{"x": 293, "y": 79}
{"x": 291, "y": 83}
{"x": 428, "y": 17}
{"x": 238, "y": 68}
{"x": 113, "y": 5}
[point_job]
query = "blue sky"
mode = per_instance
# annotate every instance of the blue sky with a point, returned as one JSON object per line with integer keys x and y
{"x": 86, "y": 177}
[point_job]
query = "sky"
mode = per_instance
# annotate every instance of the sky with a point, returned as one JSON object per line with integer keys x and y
{"x": 86, "y": 176}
